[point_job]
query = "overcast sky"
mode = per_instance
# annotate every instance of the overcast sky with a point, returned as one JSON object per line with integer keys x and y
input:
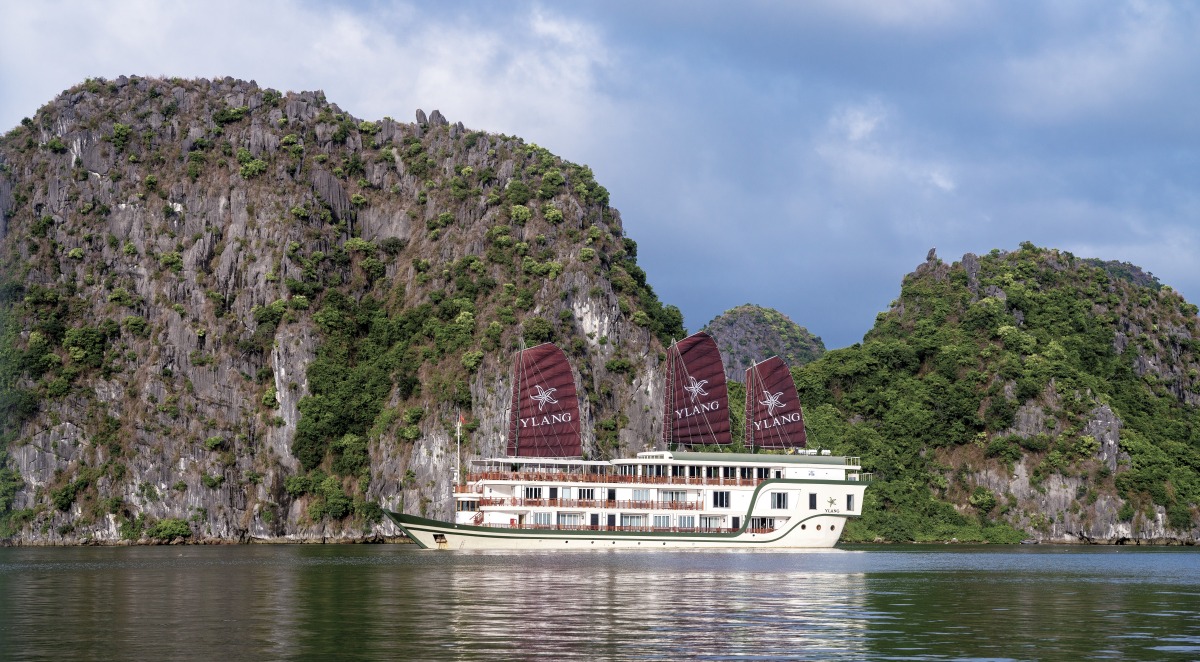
{"x": 801, "y": 156}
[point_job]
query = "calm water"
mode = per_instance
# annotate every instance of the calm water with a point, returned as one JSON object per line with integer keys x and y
{"x": 396, "y": 602}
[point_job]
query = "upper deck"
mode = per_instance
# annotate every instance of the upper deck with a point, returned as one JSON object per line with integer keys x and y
{"x": 672, "y": 468}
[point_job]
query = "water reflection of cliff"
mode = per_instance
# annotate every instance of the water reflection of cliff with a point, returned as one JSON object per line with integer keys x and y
{"x": 1036, "y": 606}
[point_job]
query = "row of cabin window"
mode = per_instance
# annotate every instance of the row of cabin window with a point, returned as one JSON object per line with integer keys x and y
{"x": 696, "y": 471}
{"x": 638, "y": 520}
{"x": 720, "y": 498}
{"x": 589, "y": 493}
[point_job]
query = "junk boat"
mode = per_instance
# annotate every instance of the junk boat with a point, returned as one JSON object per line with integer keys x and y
{"x": 544, "y": 496}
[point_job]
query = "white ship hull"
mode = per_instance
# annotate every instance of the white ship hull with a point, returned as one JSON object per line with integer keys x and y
{"x": 435, "y": 534}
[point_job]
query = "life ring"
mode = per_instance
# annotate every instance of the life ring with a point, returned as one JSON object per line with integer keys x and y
{"x": 512, "y": 523}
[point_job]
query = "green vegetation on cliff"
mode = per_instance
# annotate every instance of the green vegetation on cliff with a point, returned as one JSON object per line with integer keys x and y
{"x": 748, "y": 334}
{"x": 235, "y": 281}
{"x": 1012, "y": 359}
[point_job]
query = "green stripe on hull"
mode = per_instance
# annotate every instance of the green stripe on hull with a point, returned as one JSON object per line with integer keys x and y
{"x": 407, "y": 522}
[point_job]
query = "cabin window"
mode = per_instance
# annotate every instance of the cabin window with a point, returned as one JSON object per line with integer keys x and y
{"x": 566, "y": 493}
{"x": 729, "y": 472}
{"x": 468, "y": 506}
{"x": 553, "y": 492}
{"x": 761, "y": 473}
{"x": 641, "y": 495}
{"x": 676, "y": 470}
{"x": 533, "y": 492}
{"x": 746, "y": 472}
{"x": 712, "y": 472}
{"x": 710, "y": 522}
{"x": 687, "y": 521}
{"x": 779, "y": 500}
{"x": 654, "y": 470}
{"x": 693, "y": 472}
{"x": 540, "y": 519}
{"x": 587, "y": 493}
{"x": 720, "y": 499}
{"x": 662, "y": 521}
{"x": 762, "y": 523}
{"x": 850, "y": 502}
{"x": 570, "y": 519}
{"x": 672, "y": 496}
{"x": 633, "y": 520}
{"x": 812, "y": 501}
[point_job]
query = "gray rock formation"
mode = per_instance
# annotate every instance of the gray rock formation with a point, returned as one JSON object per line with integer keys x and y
{"x": 201, "y": 227}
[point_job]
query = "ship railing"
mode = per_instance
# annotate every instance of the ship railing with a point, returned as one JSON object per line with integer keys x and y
{"x": 861, "y": 477}
{"x": 628, "y": 529}
{"x": 853, "y": 461}
{"x": 563, "y": 477}
{"x": 628, "y": 504}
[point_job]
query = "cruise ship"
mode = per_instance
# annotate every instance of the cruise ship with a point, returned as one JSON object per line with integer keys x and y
{"x": 542, "y": 495}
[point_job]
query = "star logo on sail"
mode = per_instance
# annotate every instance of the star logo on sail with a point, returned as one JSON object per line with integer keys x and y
{"x": 772, "y": 401}
{"x": 544, "y": 397}
{"x": 696, "y": 388}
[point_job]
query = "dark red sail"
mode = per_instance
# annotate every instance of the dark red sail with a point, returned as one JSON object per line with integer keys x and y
{"x": 773, "y": 415}
{"x": 544, "y": 418}
{"x": 697, "y": 402}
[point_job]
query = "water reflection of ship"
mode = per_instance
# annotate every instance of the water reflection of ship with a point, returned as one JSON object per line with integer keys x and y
{"x": 544, "y": 496}
{"x": 775, "y": 604}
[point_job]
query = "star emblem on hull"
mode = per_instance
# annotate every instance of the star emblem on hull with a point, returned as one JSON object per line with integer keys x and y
{"x": 544, "y": 397}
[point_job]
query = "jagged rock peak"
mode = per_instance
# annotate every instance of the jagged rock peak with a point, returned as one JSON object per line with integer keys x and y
{"x": 749, "y": 334}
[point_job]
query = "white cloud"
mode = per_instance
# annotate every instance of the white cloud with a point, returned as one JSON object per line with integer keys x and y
{"x": 858, "y": 123}
{"x": 908, "y": 15}
{"x": 534, "y": 75}
{"x": 1082, "y": 70}
{"x": 868, "y": 157}
{"x": 941, "y": 180}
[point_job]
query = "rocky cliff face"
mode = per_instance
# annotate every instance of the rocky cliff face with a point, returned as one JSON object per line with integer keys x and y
{"x": 749, "y": 333}
{"x": 1066, "y": 394}
{"x": 253, "y": 313}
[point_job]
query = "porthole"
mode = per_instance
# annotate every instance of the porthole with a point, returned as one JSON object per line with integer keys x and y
{"x": 818, "y": 527}
{"x": 803, "y": 527}
{"x": 831, "y": 527}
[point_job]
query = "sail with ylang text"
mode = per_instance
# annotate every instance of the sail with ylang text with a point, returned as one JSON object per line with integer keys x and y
{"x": 544, "y": 418}
{"x": 697, "y": 401}
{"x": 773, "y": 415}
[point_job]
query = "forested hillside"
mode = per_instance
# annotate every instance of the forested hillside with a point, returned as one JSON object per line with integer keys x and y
{"x": 1024, "y": 394}
{"x": 235, "y": 313}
